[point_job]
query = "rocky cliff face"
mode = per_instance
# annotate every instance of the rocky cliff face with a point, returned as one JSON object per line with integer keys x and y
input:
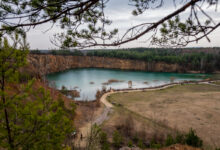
{"x": 45, "y": 64}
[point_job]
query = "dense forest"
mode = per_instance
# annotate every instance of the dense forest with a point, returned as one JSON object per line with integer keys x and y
{"x": 204, "y": 59}
{"x": 58, "y": 52}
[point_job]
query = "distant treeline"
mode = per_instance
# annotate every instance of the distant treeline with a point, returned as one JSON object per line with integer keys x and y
{"x": 58, "y": 52}
{"x": 196, "y": 59}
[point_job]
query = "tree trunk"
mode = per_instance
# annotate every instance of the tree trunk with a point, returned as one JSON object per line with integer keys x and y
{"x": 10, "y": 141}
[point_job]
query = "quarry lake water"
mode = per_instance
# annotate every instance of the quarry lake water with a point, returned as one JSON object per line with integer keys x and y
{"x": 88, "y": 80}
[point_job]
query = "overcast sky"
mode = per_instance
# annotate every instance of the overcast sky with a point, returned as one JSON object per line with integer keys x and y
{"x": 120, "y": 13}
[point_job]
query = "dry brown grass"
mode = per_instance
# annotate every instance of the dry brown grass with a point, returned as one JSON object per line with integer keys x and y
{"x": 217, "y": 82}
{"x": 180, "y": 107}
{"x": 180, "y": 147}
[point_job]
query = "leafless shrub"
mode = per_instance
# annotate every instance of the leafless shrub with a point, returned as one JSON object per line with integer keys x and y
{"x": 93, "y": 139}
{"x": 104, "y": 89}
{"x": 128, "y": 126}
{"x": 129, "y": 84}
{"x": 98, "y": 94}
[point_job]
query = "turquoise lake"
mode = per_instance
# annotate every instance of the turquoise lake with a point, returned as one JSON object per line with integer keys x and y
{"x": 88, "y": 80}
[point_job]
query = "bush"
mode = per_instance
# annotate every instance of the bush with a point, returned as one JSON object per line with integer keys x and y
{"x": 141, "y": 144}
{"x": 192, "y": 139}
{"x": 104, "y": 142}
{"x": 169, "y": 141}
{"x": 155, "y": 145}
{"x": 117, "y": 139}
{"x": 64, "y": 90}
{"x": 135, "y": 139}
{"x": 24, "y": 77}
{"x": 130, "y": 144}
{"x": 179, "y": 138}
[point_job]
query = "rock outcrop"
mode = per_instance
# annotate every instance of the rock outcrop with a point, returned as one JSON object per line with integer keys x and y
{"x": 45, "y": 64}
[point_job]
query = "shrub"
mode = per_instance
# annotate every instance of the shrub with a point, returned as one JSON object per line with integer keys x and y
{"x": 135, "y": 139}
{"x": 141, "y": 144}
{"x": 24, "y": 77}
{"x": 104, "y": 142}
{"x": 117, "y": 139}
{"x": 192, "y": 139}
{"x": 169, "y": 141}
{"x": 98, "y": 94}
{"x": 127, "y": 126}
{"x": 179, "y": 138}
{"x": 157, "y": 146}
{"x": 130, "y": 144}
{"x": 64, "y": 90}
{"x": 93, "y": 139}
{"x": 154, "y": 144}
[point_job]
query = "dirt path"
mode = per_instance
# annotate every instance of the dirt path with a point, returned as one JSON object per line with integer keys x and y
{"x": 104, "y": 100}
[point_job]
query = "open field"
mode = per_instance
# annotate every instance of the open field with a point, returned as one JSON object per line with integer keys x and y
{"x": 175, "y": 108}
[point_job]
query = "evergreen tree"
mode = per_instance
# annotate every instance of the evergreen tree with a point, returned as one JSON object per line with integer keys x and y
{"x": 29, "y": 117}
